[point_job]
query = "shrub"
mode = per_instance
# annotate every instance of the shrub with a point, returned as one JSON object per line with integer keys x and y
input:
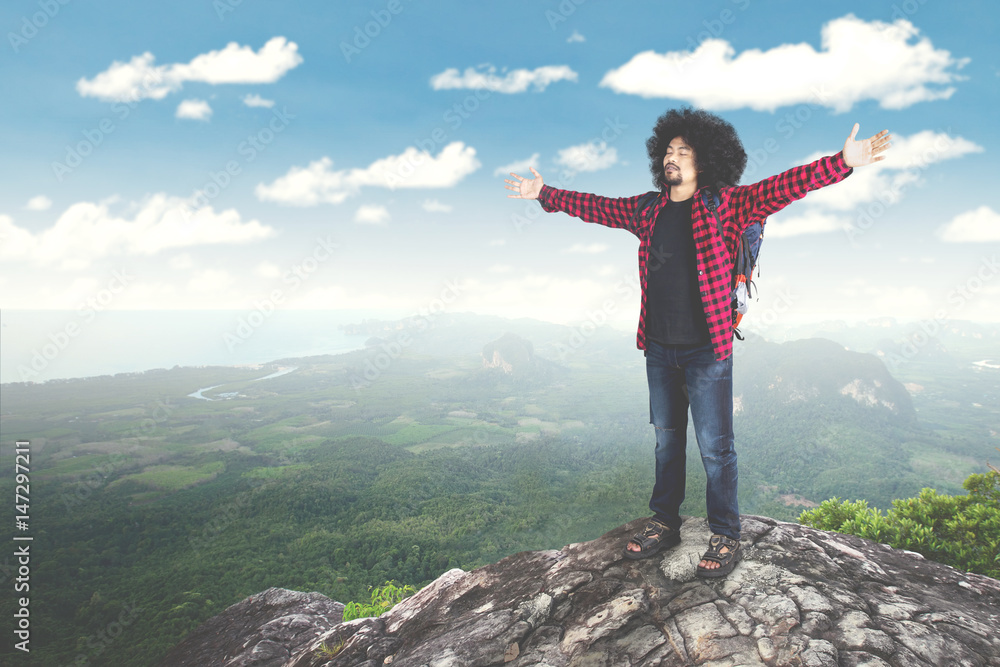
{"x": 383, "y": 598}
{"x": 961, "y": 531}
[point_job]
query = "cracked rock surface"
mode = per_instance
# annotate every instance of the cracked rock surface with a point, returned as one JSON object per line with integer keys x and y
{"x": 263, "y": 630}
{"x": 800, "y": 597}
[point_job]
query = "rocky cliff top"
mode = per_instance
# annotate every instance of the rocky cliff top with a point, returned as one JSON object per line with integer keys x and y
{"x": 799, "y": 597}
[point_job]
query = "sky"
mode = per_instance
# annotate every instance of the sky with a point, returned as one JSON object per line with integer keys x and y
{"x": 270, "y": 157}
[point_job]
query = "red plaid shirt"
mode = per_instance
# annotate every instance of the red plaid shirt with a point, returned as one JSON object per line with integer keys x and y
{"x": 739, "y": 206}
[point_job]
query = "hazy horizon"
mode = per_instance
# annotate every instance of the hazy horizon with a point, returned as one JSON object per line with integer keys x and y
{"x": 37, "y": 345}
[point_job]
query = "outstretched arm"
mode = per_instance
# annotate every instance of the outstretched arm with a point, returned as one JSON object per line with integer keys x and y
{"x": 525, "y": 188}
{"x": 766, "y": 197}
{"x": 607, "y": 211}
{"x": 861, "y": 153}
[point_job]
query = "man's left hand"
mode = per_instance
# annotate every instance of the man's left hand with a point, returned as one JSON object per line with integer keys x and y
{"x": 860, "y": 153}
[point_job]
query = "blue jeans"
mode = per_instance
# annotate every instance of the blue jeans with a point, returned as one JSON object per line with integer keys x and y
{"x": 679, "y": 376}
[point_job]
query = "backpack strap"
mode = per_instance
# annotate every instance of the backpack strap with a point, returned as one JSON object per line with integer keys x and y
{"x": 710, "y": 198}
{"x": 645, "y": 201}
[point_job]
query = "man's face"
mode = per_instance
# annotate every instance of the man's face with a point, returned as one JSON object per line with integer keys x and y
{"x": 679, "y": 164}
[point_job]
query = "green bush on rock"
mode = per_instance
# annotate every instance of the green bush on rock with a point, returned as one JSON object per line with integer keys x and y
{"x": 383, "y": 599}
{"x": 961, "y": 531}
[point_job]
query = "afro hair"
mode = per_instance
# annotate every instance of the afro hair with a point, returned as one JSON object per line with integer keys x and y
{"x": 718, "y": 151}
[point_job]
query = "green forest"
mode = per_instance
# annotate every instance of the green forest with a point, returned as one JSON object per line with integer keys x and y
{"x": 152, "y": 511}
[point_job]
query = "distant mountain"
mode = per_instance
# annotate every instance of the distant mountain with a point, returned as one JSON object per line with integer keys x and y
{"x": 513, "y": 357}
{"x": 450, "y": 334}
{"x": 931, "y": 340}
{"x": 770, "y": 377}
{"x": 509, "y": 353}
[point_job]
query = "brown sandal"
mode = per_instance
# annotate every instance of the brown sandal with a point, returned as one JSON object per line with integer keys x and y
{"x": 727, "y": 561}
{"x": 654, "y": 537}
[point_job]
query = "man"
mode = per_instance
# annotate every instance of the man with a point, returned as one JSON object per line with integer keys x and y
{"x": 685, "y": 317}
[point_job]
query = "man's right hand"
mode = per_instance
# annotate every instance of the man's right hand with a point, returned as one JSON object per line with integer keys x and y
{"x": 525, "y": 188}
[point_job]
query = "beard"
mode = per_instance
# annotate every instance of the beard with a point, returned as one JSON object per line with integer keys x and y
{"x": 672, "y": 177}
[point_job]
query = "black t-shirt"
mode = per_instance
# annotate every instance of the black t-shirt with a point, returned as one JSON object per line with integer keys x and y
{"x": 675, "y": 315}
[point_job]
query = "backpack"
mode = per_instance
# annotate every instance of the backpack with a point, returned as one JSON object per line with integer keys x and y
{"x": 744, "y": 257}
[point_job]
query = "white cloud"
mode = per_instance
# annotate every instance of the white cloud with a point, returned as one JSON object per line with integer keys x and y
{"x": 267, "y": 270}
{"x": 864, "y": 298}
{"x": 576, "y": 37}
{"x": 256, "y": 100}
{"x": 210, "y": 280}
{"x": 135, "y": 80}
{"x": 552, "y": 298}
{"x": 498, "y": 242}
{"x": 13, "y": 239}
{"x": 372, "y": 214}
{"x": 591, "y": 156}
{"x": 434, "y": 206}
{"x": 589, "y": 249}
{"x": 87, "y": 231}
{"x": 518, "y": 167}
{"x": 813, "y": 222}
{"x": 888, "y": 179}
{"x": 307, "y": 186}
{"x": 194, "y": 110}
{"x": 319, "y": 183}
{"x": 39, "y": 203}
{"x": 140, "y": 78}
{"x": 350, "y": 296}
{"x": 858, "y": 61}
{"x": 239, "y": 64}
{"x": 609, "y": 270}
{"x": 981, "y": 225}
{"x": 877, "y": 185}
{"x": 515, "y": 81}
{"x": 181, "y": 262}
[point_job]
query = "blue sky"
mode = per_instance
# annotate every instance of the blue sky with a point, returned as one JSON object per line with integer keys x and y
{"x": 236, "y": 155}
